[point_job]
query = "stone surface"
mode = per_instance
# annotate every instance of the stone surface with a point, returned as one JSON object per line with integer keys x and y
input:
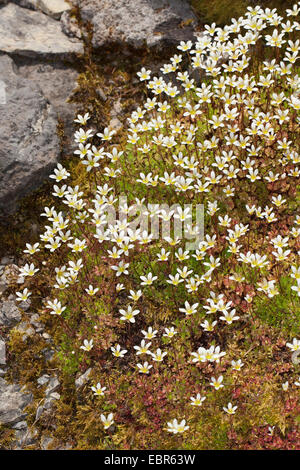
{"x": 12, "y": 403}
{"x": 20, "y": 425}
{"x": 25, "y": 305}
{"x": 82, "y": 380}
{"x": 26, "y": 437}
{"x": 9, "y": 313}
{"x": 31, "y": 4}
{"x": 48, "y": 354}
{"x": 54, "y": 8}
{"x": 57, "y": 83}
{"x": 2, "y": 352}
{"x": 35, "y": 323}
{"x": 6, "y": 260}
{"x": 25, "y": 330}
{"x": 46, "y": 442}
{"x": 139, "y": 23}
{"x": 33, "y": 34}
{"x": 43, "y": 379}
{"x": 69, "y": 26}
{"x": 29, "y": 145}
{"x": 53, "y": 385}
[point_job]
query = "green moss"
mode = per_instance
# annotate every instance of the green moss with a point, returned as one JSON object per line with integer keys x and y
{"x": 281, "y": 311}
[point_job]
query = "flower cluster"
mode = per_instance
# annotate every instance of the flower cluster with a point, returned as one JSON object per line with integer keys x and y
{"x": 217, "y": 128}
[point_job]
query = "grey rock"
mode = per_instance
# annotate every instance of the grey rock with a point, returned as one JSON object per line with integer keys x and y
{"x": 54, "y": 8}
{"x": 57, "y": 83}
{"x": 25, "y": 305}
{"x": 116, "y": 109}
{"x": 139, "y": 23}
{"x": 26, "y": 437}
{"x": 2, "y": 372}
{"x": 11, "y": 271}
{"x": 2, "y": 352}
{"x": 115, "y": 124}
{"x": 69, "y": 26}
{"x": 52, "y": 386}
{"x": 34, "y": 318}
{"x": 39, "y": 412}
{"x": 9, "y": 313}
{"x": 82, "y": 380}
{"x": 43, "y": 379}
{"x": 46, "y": 442}
{"x": 49, "y": 401}
{"x": 33, "y": 34}
{"x": 29, "y": 145}
{"x": 48, "y": 354}
{"x": 25, "y": 330}
{"x": 31, "y": 4}
{"x": 7, "y": 260}
{"x": 20, "y": 425}
{"x": 12, "y": 403}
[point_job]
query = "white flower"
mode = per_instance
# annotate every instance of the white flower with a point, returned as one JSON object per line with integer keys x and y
{"x": 144, "y": 368}
{"x": 217, "y": 383}
{"x": 23, "y": 296}
{"x": 175, "y": 427}
{"x": 148, "y": 280}
{"x": 150, "y": 333}
{"x": 285, "y": 386}
{"x": 28, "y": 270}
{"x": 158, "y": 356}
{"x": 237, "y": 365}
{"x": 230, "y": 409}
{"x": 118, "y": 352}
{"x": 170, "y": 332}
{"x": 87, "y": 345}
{"x": 129, "y": 314}
{"x": 107, "y": 421}
{"x": 98, "y": 390}
{"x": 143, "y": 348}
{"x": 295, "y": 345}
{"x": 198, "y": 400}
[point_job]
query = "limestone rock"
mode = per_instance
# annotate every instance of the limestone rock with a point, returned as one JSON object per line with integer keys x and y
{"x": 2, "y": 352}
{"x": 43, "y": 379}
{"x": 12, "y": 403}
{"x": 82, "y": 379}
{"x": 29, "y": 145}
{"x": 54, "y": 8}
{"x": 46, "y": 442}
{"x": 57, "y": 83}
{"x": 25, "y": 330}
{"x": 53, "y": 385}
{"x": 9, "y": 313}
{"x": 69, "y": 26}
{"x": 26, "y": 437}
{"x": 33, "y": 34}
{"x": 139, "y": 23}
{"x": 31, "y": 4}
